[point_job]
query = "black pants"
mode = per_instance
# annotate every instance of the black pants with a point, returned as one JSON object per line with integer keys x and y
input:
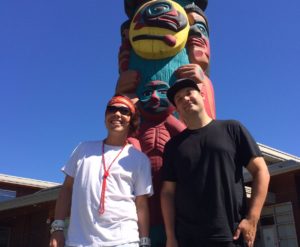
{"x": 190, "y": 242}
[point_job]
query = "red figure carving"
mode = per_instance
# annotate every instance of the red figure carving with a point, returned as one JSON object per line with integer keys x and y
{"x": 153, "y": 136}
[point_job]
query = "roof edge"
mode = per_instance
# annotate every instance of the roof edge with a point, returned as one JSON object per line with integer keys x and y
{"x": 32, "y": 199}
{"x": 277, "y": 154}
{"x": 4, "y": 178}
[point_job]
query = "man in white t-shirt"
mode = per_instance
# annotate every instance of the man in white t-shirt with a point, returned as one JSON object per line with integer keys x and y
{"x": 106, "y": 187}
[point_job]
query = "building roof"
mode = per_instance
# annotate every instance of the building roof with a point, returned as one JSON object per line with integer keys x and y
{"x": 28, "y": 182}
{"x": 45, "y": 195}
{"x": 279, "y": 162}
{"x": 274, "y": 155}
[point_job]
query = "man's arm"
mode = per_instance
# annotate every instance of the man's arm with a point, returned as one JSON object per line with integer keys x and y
{"x": 261, "y": 177}
{"x": 167, "y": 196}
{"x": 62, "y": 210}
{"x": 142, "y": 209}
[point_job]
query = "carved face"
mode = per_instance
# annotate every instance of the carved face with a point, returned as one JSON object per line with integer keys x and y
{"x": 159, "y": 29}
{"x": 198, "y": 41}
{"x": 154, "y": 97}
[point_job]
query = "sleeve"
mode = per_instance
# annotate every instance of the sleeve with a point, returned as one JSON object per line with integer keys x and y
{"x": 143, "y": 179}
{"x": 247, "y": 147}
{"x": 70, "y": 167}
{"x": 168, "y": 167}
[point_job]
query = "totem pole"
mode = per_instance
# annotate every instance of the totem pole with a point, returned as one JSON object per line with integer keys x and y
{"x": 163, "y": 40}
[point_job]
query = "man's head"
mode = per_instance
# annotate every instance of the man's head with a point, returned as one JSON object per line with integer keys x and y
{"x": 121, "y": 115}
{"x": 179, "y": 85}
{"x": 188, "y": 99}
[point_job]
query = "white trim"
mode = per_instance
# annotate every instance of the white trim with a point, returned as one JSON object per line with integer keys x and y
{"x": 26, "y": 181}
{"x": 276, "y": 169}
{"x": 32, "y": 199}
{"x": 275, "y": 155}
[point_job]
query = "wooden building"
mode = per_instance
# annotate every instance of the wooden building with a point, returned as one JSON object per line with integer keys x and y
{"x": 26, "y": 206}
{"x": 279, "y": 225}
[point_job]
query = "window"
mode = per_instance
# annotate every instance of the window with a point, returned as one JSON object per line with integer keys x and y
{"x": 4, "y": 236}
{"x": 267, "y": 220}
{"x": 7, "y": 195}
{"x": 297, "y": 180}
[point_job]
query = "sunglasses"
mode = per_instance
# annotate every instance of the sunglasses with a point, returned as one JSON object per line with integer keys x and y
{"x": 123, "y": 110}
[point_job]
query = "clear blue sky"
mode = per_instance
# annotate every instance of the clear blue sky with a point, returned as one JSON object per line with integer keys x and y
{"x": 58, "y": 68}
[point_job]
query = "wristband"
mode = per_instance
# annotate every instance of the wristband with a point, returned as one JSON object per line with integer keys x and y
{"x": 57, "y": 225}
{"x": 145, "y": 241}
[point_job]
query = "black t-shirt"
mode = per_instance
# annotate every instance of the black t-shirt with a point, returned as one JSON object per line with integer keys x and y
{"x": 207, "y": 166}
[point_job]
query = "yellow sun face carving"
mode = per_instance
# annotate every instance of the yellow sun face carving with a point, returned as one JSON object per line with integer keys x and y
{"x": 159, "y": 29}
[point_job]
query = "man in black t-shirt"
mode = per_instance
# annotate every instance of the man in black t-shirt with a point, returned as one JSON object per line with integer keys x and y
{"x": 203, "y": 197}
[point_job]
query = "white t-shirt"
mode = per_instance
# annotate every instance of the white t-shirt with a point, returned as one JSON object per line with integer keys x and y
{"x": 129, "y": 176}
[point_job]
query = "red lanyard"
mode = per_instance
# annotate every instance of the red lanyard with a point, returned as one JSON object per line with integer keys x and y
{"x": 106, "y": 174}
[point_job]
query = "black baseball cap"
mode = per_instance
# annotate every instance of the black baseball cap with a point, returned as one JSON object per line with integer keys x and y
{"x": 178, "y": 85}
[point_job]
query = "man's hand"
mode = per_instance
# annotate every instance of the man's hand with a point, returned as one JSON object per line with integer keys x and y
{"x": 57, "y": 239}
{"x": 248, "y": 228}
{"x": 260, "y": 180}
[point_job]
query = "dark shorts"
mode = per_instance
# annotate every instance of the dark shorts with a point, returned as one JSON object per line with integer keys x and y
{"x": 158, "y": 236}
{"x": 189, "y": 242}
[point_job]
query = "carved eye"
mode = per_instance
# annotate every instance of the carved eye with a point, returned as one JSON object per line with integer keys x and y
{"x": 162, "y": 91}
{"x": 202, "y": 28}
{"x": 147, "y": 93}
{"x": 158, "y": 9}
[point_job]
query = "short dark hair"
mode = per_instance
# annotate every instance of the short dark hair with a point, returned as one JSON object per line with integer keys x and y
{"x": 178, "y": 85}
